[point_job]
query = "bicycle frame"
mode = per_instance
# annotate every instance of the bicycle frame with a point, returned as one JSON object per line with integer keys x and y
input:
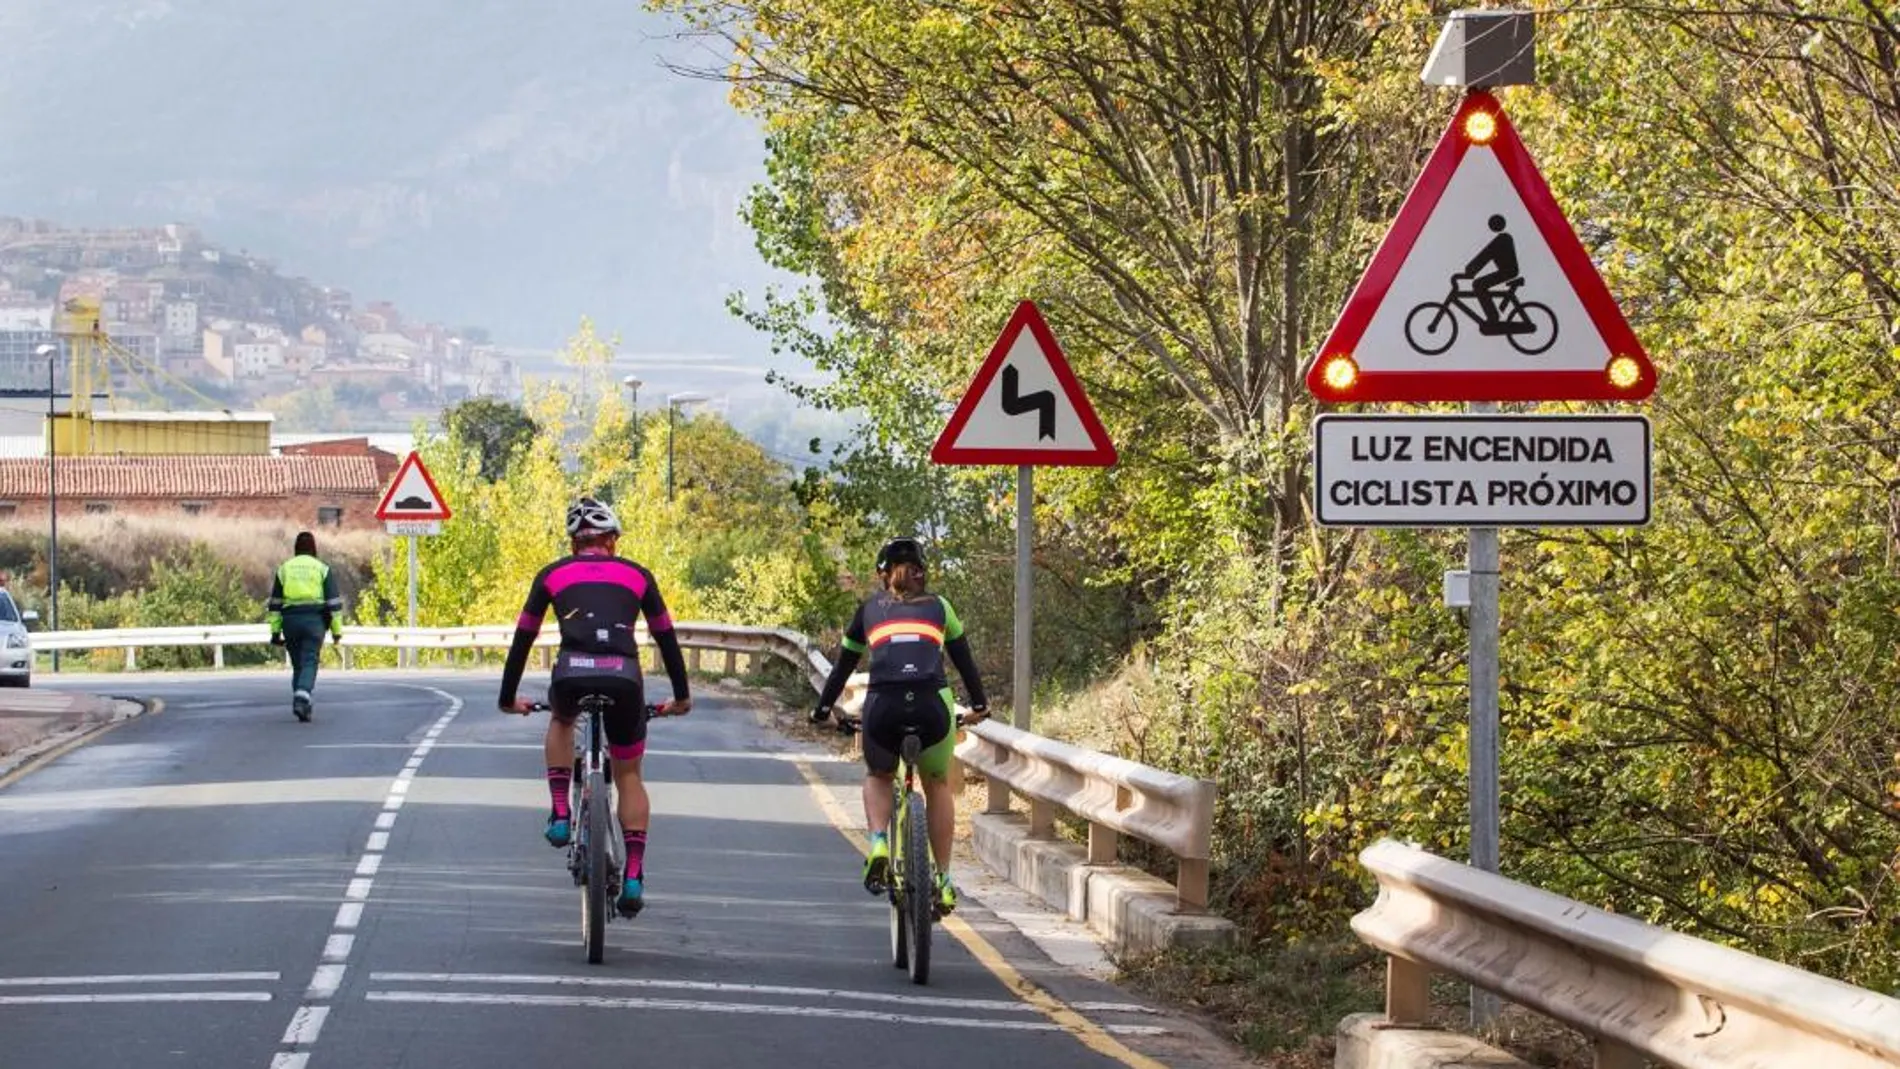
{"x": 1464, "y": 297}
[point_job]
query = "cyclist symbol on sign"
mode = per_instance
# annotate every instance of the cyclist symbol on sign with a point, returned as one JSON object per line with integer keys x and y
{"x": 1490, "y": 299}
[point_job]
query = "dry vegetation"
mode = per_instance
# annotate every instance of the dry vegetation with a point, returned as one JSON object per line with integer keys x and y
{"x": 107, "y": 555}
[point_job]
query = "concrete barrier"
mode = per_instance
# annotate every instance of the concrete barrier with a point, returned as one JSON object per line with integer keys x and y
{"x": 1369, "y": 1041}
{"x": 1135, "y": 911}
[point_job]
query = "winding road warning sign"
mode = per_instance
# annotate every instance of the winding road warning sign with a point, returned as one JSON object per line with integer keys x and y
{"x": 1024, "y": 406}
{"x": 1481, "y": 291}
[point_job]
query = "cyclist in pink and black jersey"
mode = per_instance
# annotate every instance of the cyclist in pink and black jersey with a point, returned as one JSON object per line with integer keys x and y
{"x": 597, "y": 598}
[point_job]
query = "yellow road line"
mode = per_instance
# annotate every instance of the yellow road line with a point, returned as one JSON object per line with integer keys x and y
{"x": 1091, "y": 1035}
{"x": 153, "y": 706}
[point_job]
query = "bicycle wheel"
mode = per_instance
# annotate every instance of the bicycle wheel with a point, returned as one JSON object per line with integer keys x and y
{"x": 920, "y": 891}
{"x": 894, "y": 887}
{"x": 594, "y": 904}
{"x": 1543, "y": 337}
{"x": 1434, "y": 333}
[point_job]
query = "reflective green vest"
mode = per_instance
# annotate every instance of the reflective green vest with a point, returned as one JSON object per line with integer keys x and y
{"x": 302, "y": 581}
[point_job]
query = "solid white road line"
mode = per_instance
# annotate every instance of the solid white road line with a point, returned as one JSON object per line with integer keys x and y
{"x": 145, "y": 978}
{"x": 753, "y": 1008}
{"x": 137, "y": 996}
{"x": 543, "y": 979}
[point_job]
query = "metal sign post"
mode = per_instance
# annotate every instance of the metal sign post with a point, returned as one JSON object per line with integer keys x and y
{"x": 1025, "y": 578}
{"x": 410, "y": 655}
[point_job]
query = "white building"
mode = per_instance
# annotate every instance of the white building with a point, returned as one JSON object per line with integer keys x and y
{"x": 181, "y": 318}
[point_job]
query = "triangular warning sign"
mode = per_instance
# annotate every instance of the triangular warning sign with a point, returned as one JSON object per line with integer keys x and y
{"x": 412, "y": 494}
{"x": 1481, "y": 290}
{"x": 1024, "y": 406}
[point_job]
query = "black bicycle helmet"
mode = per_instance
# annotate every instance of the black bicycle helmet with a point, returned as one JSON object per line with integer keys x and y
{"x": 588, "y": 516}
{"x": 901, "y": 550}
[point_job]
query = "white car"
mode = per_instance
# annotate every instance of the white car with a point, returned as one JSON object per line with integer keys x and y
{"x": 16, "y": 648}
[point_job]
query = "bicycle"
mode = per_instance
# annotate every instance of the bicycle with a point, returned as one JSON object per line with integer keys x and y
{"x": 1530, "y": 326}
{"x": 910, "y": 886}
{"x": 599, "y": 873}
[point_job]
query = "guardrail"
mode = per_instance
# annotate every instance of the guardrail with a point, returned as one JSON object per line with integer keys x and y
{"x": 1116, "y": 796}
{"x": 695, "y": 640}
{"x": 1639, "y": 991}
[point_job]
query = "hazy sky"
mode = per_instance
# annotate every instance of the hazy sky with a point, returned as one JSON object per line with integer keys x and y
{"x": 513, "y": 165}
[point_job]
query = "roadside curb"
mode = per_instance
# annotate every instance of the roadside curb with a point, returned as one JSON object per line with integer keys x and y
{"x": 73, "y": 729}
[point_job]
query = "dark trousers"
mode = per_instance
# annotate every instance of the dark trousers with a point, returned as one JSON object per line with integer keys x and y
{"x": 303, "y": 640}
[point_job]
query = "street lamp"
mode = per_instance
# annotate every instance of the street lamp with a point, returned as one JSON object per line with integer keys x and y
{"x": 673, "y": 401}
{"x": 51, "y": 353}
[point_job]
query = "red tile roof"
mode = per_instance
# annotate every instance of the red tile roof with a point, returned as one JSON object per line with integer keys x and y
{"x": 190, "y": 476}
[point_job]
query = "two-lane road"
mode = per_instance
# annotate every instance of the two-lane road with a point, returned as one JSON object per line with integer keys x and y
{"x": 220, "y": 886}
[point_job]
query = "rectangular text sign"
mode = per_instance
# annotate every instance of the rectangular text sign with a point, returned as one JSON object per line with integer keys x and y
{"x": 1481, "y": 471}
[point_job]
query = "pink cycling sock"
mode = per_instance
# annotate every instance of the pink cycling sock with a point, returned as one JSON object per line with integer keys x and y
{"x": 560, "y": 779}
{"x": 636, "y": 853}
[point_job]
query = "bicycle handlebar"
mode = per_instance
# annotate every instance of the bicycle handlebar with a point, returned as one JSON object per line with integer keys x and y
{"x": 652, "y": 710}
{"x": 848, "y": 724}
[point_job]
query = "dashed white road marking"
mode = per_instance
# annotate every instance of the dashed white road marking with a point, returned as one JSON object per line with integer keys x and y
{"x": 325, "y": 982}
{"x": 305, "y": 1024}
{"x": 327, "y": 978}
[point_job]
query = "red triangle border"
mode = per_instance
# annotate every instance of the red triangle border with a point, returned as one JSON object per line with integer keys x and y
{"x": 1376, "y": 283}
{"x": 413, "y": 460}
{"x": 1026, "y": 316}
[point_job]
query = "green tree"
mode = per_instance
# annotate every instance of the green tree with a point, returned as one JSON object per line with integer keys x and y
{"x": 493, "y": 428}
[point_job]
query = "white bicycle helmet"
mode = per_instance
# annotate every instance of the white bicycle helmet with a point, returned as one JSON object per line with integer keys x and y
{"x": 588, "y": 516}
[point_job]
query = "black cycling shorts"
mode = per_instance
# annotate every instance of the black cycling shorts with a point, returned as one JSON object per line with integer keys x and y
{"x": 617, "y": 678}
{"x": 893, "y": 711}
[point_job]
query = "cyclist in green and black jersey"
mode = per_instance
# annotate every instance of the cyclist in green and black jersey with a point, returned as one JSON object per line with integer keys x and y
{"x": 906, "y": 631}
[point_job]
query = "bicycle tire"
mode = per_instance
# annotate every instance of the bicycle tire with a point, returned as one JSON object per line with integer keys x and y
{"x": 920, "y": 891}
{"x": 1524, "y": 343}
{"x": 893, "y": 887}
{"x": 1429, "y": 333}
{"x": 594, "y": 904}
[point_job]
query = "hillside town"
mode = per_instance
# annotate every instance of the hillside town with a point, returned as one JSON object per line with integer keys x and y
{"x": 191, "y": 323}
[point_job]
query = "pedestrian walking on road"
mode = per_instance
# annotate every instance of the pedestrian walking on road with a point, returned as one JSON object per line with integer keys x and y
{"x": 303, "y": 605}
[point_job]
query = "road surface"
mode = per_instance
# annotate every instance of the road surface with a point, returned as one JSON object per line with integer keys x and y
{"x": 216, "y": 885}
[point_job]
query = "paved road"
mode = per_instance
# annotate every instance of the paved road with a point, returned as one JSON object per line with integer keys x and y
{"x": 217, "y": 885}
